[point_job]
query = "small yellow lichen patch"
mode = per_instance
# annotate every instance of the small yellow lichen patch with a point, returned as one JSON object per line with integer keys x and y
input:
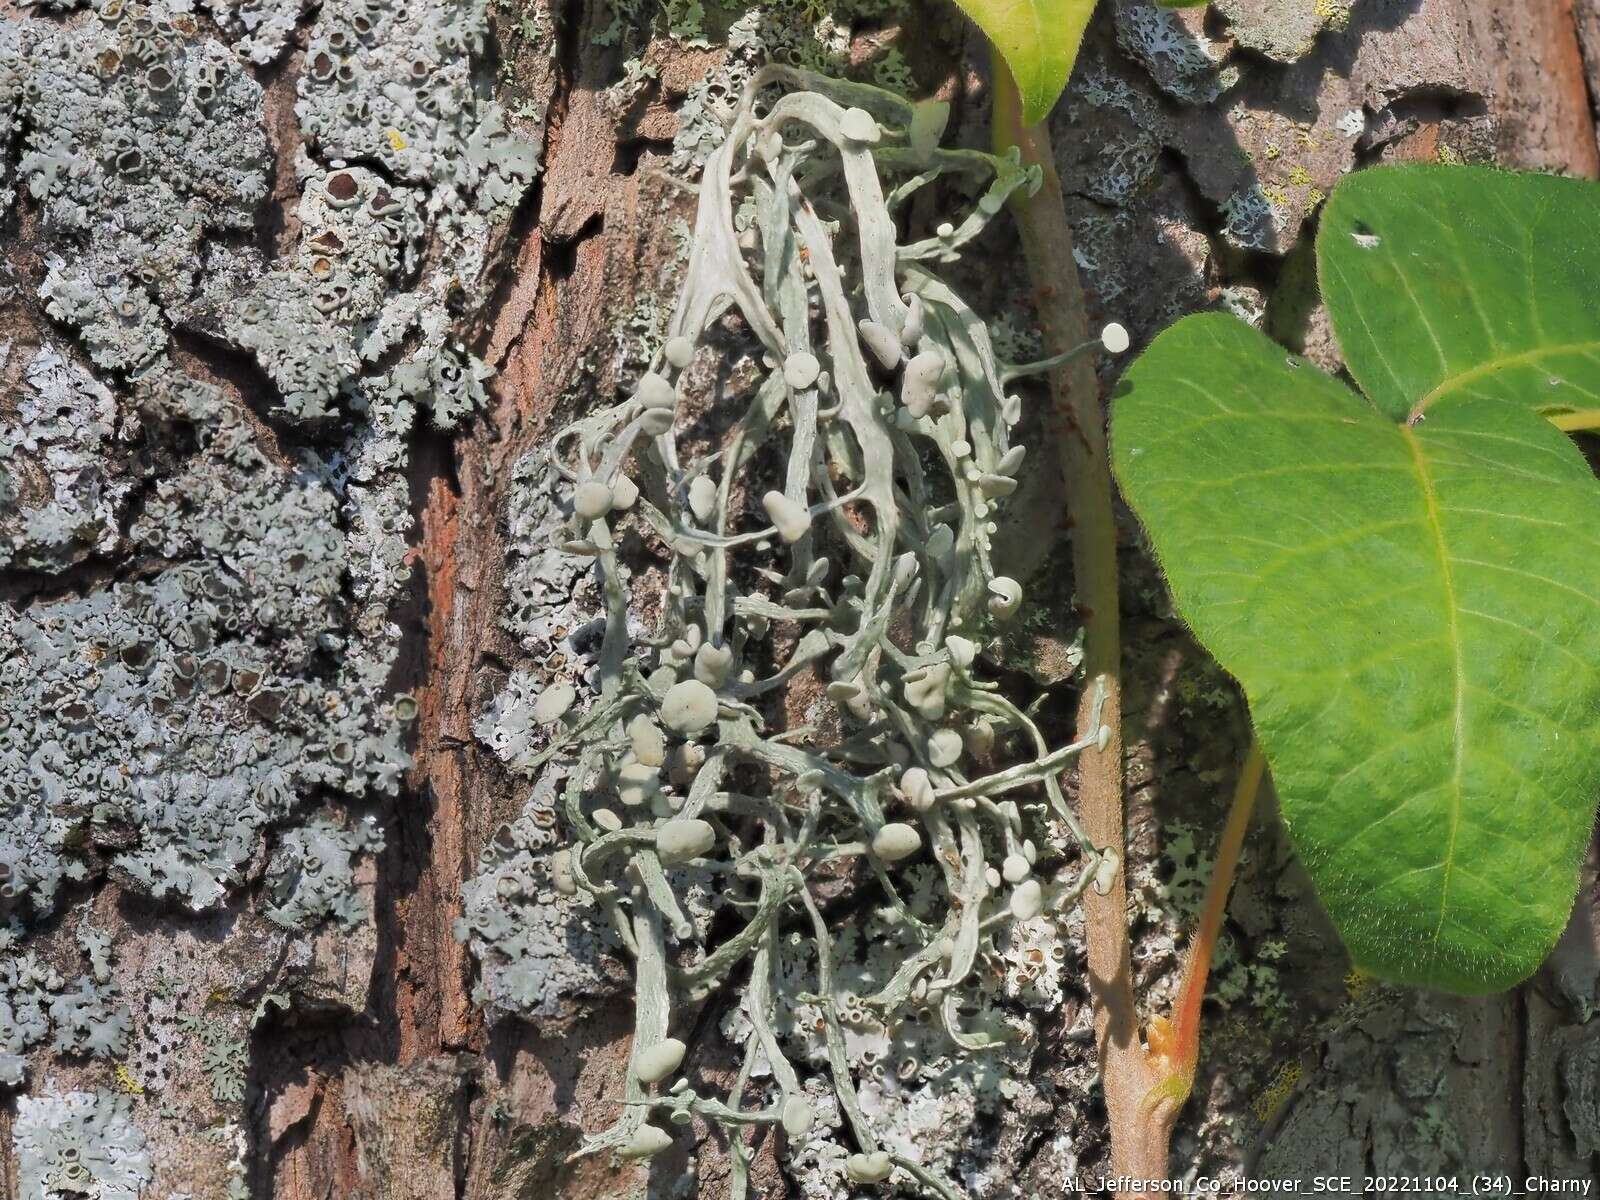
{"x": 1356, "y": 983}
{"x": 397, "y": 140}
{"x": 1273, "y": 1096}
{"x": 127, "y": 1082}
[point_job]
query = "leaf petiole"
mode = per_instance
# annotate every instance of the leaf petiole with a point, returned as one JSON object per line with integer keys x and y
{"x": 1174, "y": 1043}
{"x": 1584, "y": 421}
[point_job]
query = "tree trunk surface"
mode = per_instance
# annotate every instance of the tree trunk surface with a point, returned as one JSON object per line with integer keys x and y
{"x": 283, "y": 345}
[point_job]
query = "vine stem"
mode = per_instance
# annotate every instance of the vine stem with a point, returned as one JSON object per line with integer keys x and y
{"x": 1075, "y": 423}
{"x": 1175, "y": 1041}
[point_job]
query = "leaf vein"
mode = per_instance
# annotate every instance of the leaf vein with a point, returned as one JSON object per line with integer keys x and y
{"x": 1459, "y": 746}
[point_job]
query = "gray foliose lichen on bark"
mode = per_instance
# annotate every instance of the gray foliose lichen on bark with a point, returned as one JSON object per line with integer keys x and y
{"x": 197, "y": 640}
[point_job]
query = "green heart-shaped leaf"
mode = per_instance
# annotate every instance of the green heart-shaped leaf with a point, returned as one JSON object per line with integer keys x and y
{"x": 1465, "y": 281}
{"x": 1039, "y": 40}
{"x": 1412, "y": 612}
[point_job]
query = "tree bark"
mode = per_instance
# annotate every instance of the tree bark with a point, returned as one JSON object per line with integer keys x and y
{"x": 356, "y": 1059}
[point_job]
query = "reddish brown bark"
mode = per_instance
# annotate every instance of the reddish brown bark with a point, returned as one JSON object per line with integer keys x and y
{"x": 1540, "y": 91}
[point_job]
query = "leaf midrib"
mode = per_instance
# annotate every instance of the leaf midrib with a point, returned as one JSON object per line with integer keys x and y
{"x": 1494, "y": 365}
{"x": 1036, "y": 19}
{"x": 1430, "y": 498}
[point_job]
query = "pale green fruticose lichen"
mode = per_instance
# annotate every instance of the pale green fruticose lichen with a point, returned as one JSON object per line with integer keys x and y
{"x": 840, "y": 528}
{"x": 815, "y": 35}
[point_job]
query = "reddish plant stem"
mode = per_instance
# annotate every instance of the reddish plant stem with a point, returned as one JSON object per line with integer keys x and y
{"x": 1075, "y": 424}
{"x": 1175, "y": 1042}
